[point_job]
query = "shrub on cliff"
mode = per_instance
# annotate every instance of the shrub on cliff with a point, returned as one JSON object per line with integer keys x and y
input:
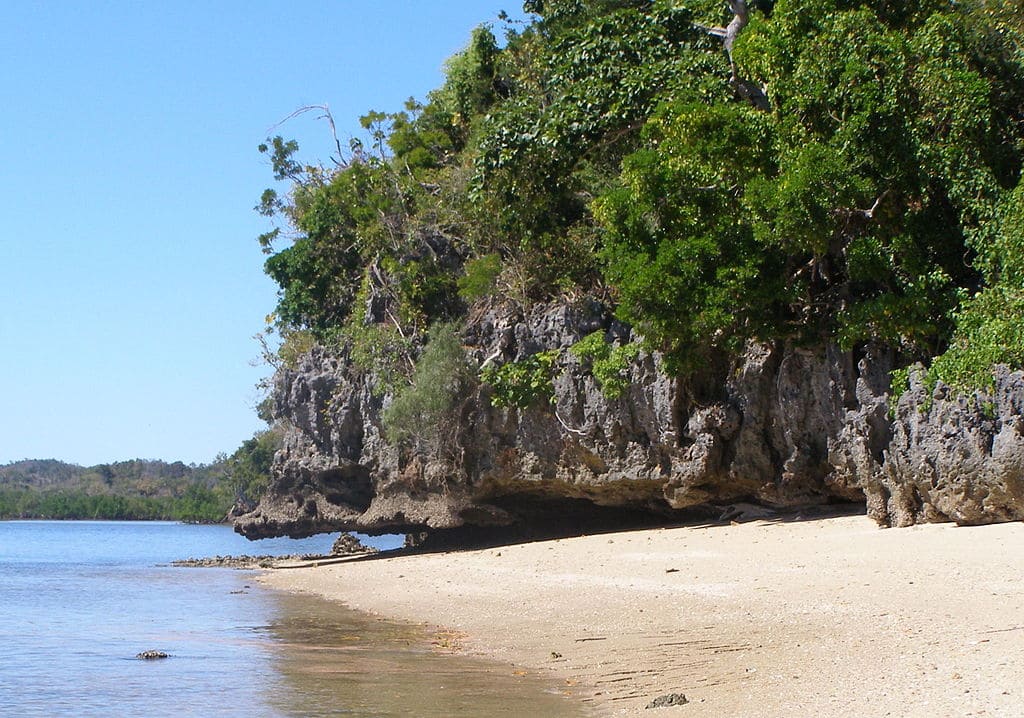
{"x": 523, "y": 383}
{"x": 422, "y": 414}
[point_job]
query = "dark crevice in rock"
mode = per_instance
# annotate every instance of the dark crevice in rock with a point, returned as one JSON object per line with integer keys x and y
{"x": 350, "y": 486}
{"x": 680, "y": 416}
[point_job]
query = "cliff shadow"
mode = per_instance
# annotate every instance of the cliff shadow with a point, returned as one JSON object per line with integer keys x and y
{"x": 572, "y": 518}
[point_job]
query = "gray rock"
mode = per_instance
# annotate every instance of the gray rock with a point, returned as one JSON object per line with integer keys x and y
{"x": 954, "y": 458}
{"x": 668, "y": 700}
{"x": 348, "y": 545}
{"x": 240, "y": 562}
{"x": 783, "y": 427}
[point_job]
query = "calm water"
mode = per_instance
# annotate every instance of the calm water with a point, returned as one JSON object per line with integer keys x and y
{"x": 78, "y": 600}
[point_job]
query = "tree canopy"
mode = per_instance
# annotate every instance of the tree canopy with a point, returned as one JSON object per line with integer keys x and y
{"x": 848, "y": 171}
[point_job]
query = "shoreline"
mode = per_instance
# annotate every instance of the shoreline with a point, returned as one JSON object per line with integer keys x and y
{"x": 833, "y": 617}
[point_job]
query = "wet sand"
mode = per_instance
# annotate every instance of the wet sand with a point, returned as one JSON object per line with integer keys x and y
{"x": 332, "y": 660}
{"x": 829, "y": 617}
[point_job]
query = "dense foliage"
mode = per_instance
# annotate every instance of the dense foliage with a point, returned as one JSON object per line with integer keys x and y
{"x": 608, "y": 364}
{"x": 198, "y": 504}
{"x": 247, "y": 471}
{"x": 523, "y": 383}
{"x": 848, "y": 171}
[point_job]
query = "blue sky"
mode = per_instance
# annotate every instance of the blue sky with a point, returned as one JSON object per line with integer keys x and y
{"x": 130, "y": 279}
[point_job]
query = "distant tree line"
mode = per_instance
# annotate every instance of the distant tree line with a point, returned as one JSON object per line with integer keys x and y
{"x": 139, "y": 489}
{"x": 198, "y": 504}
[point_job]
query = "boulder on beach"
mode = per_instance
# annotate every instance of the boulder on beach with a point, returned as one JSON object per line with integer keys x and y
{"x": 349, "y": 545}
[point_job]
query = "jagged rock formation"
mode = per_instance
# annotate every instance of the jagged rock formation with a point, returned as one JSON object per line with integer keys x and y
{"x": 953, "y": 457}
{"x": 785, "y": 427}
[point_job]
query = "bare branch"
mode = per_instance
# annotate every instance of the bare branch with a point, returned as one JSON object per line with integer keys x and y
{"x": 739, "y": 21}
{"x": 713, "y": 31}
{"x": 492, "y": 357}
{"x": 325, "y": 116}
{"x": 745, "y": 89}
{"x": 870, "y": 213}
{"x": 565, "y": 426}
{"x": 850, "y": 213}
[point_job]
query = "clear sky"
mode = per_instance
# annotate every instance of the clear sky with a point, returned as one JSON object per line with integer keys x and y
{"x": 130, "y": 278}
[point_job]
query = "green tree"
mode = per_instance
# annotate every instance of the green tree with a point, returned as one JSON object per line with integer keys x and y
{"x": 248, "y": 468}
{"x": 860, "y": 205}
{"x": 822, "y": 171}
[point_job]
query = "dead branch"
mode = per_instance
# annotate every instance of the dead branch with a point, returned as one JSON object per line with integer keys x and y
{"x": 745, "y": 89}
{"x": 340, "y": 161}
{"x": 492, "y": 357}
{"x": 870, "y": 213}
{"x": 565, "y": 426}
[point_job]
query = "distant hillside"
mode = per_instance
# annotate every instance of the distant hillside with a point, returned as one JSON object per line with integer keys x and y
{"x": 137, "y": 489}
{"x": 140, "y": 476}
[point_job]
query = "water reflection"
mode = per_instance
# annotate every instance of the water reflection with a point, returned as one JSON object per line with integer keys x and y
{"x": 333, "y": 661}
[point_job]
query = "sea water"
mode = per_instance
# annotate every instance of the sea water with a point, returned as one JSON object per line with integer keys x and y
{"x": 79, "y": 600}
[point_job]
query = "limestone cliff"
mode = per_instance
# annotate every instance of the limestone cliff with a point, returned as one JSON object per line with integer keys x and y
{"x": 784, "y": 426}
{"x": 953, "y": 457}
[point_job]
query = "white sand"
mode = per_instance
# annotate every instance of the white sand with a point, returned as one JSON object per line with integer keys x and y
{"x": 830, "y": 617}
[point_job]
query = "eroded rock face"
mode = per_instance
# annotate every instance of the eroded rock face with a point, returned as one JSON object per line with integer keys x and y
{"x": 953, "y": 457}
{"x": 795, "y": 427}
{"x": 783, "y": 427}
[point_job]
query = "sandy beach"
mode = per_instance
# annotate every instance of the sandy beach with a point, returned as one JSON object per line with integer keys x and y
{"x": 825, "y": 617}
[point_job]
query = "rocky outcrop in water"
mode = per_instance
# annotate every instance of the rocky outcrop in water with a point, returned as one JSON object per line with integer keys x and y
{"x": 784, "y": 426}
{"x": 244, "y": 562}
